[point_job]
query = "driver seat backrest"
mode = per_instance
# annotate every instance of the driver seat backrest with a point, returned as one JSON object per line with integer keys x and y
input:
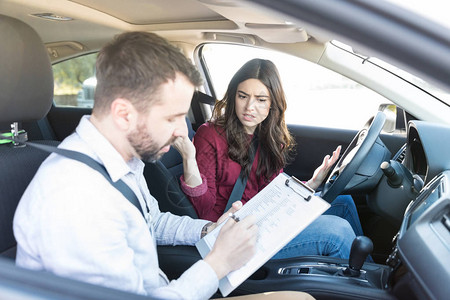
{"x": 163, "y": 182}
{"x": 163, "y": 176}
{"x": 26, "y": 85}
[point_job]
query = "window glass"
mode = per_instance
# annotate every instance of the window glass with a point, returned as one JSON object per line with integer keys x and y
{"x": 75, "y": 81}
{"x": 427, "y": 86}
{"x": 316, "y": 96}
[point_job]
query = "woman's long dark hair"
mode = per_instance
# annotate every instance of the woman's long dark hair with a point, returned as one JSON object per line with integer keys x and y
{"x": 275, "y": 141}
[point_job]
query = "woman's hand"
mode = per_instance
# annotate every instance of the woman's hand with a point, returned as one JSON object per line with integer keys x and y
{"x": 321, "y": 172}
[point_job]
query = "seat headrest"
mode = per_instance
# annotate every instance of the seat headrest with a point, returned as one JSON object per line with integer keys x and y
{"x": 26, "y": 78}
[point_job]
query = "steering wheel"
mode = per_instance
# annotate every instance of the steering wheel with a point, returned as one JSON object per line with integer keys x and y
{"x": 353, "y": 157}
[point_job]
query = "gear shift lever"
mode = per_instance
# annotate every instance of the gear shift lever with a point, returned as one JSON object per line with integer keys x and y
{"x": 361, "y": 247}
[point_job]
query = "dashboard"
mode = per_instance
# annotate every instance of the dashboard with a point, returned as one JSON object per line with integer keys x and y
{"x": 423, "y": 244}
{"x": 422, "y": 249}
{"x": 425, "y": 155}
{"x": 431, "y": 194}
{"x": 428, "y": 149}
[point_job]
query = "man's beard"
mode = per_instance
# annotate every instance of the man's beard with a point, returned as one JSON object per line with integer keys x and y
{"x": 144, "y": 145}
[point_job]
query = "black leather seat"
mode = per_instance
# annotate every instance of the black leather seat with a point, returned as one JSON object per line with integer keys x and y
{"x": 163, "y": 176}
{"x": 26, "y": 85}
{"x": 172, "y": 160}
{"x": 163, "y": 181}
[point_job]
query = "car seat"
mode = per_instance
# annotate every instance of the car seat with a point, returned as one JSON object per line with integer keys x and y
{"x": 26, "y": 85}
{"x": 163, "y": 176}
{"x": 163, "y": 182}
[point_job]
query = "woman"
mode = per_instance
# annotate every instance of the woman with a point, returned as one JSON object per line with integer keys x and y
{"x": 254, "y": 107}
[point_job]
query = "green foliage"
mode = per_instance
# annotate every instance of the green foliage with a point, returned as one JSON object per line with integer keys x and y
{"x": 70, "y": 74}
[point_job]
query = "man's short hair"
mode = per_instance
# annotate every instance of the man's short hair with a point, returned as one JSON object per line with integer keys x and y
{"x": 134, "y": 65}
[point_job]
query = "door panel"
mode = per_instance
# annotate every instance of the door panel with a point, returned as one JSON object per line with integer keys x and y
{"x": 313, "y": 143}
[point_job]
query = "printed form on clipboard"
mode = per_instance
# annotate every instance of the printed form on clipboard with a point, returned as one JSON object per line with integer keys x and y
{"x": 282, "y": 209}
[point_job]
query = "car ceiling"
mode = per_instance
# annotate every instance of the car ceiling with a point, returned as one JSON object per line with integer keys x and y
{"x": 190, "y": 21}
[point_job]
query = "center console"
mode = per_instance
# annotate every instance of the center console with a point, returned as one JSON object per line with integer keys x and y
{"x": 417, "y": 268}
{"x": 323, "y": 277}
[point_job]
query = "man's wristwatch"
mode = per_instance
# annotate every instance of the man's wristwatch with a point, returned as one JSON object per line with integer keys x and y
{"x": 205, "y": 229}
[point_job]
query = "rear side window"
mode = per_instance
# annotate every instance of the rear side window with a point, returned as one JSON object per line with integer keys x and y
{"x": 75, "y": 81}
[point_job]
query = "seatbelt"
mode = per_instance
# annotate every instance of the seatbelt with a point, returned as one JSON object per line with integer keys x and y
{"x": 87, "y": 160}
{"x": 46, "y": 130}
{"x": 241, "y": 182}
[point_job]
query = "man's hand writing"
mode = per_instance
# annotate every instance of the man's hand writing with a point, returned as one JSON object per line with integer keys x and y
{"x": 234, "y": 246}
{"x": 237, "y": 205}
{"x": 234, "y": 208}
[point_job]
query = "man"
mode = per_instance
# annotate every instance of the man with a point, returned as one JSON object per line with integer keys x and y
{"x": 73, "y": 222}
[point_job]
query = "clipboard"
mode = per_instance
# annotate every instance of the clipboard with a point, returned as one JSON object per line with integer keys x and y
{"x": 282, "y": 210}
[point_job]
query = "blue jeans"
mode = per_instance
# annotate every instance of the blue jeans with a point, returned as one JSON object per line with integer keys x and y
{"x": 326, "y": 236}
{"x": 344, "y": 206}
{"x": 331, "y": 234}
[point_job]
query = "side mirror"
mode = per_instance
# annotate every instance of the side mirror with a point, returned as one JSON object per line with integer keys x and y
{"x": 390, "y": 110}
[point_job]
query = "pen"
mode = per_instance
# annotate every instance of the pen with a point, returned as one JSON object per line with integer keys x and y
{"x": 233, "y": 216}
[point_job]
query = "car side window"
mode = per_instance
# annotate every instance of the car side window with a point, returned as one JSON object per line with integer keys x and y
{"x": 75, "y": 81}
{"x": 315, "y": 95}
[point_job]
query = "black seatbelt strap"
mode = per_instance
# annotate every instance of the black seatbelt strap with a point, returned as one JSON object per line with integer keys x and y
{"x": 241, "y": 182}
{"x": 45, "y": 128}
{"x": 81, "y": 157}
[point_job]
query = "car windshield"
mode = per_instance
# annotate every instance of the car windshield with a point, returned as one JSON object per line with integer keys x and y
{"x": 419, "y": 82}
{"x": 434, "y": 12}
{"x": 430, "y": 88}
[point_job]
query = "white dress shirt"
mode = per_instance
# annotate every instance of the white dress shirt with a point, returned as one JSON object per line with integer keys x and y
{"x": 72, "y": 222}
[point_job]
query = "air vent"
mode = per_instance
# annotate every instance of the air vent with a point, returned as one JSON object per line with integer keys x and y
{"x": 446, "y": 221}
{"x": 400, "y": 156}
